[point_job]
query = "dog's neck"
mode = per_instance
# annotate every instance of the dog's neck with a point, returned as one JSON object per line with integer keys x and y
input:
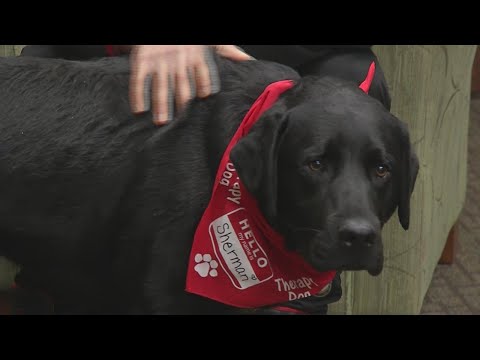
{"x": 220, "y": 128}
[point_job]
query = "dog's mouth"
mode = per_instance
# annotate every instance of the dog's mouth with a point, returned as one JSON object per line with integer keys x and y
{"x": 377, "y": 269}
{"x": 324, "y": 253}
{"x": 373, "y": 270}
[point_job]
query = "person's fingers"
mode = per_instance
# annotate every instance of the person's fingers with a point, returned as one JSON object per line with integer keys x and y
{"x": 139, "y": 72}
{"x": 160, "y": 110}
{"x": 202, "y": 79}
{"x": 182, "y": 89}
{"x": 213, "y": 70}
{"x": 176, "y": 63}
{"x": 232, "y": 52}
{"x": 182, "y": 83}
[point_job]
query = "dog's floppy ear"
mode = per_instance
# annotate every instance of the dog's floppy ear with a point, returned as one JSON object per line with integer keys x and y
{"x": 255, "y": 159}
{"x": 408, "y": 175}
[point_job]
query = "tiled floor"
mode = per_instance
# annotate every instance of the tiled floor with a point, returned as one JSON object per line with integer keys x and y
{"x": 455, "y": 289}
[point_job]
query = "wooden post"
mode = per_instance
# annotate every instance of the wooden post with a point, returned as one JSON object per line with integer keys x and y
{"x": 476, "y": 74}
{"x": 448, "y": 255}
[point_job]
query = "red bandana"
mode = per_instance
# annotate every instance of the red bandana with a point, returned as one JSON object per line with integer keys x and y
{"x": 236, "y": 257}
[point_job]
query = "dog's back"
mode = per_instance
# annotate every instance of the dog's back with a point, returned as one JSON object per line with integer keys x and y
{"x": 67, "y": 149}
{"x": 76, "y": 165}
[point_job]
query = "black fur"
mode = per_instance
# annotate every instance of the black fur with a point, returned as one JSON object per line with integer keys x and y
{"x": 99, "y": 207}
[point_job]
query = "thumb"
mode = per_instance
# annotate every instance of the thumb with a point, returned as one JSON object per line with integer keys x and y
{"x": 232, "y": 52}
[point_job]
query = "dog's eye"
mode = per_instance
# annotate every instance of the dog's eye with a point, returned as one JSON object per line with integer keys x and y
{"x": 381, "y": 171}
{"x": 315, "y": 165}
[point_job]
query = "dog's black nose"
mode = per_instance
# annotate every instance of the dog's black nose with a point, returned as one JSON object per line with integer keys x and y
{"x": 358, "y": 233}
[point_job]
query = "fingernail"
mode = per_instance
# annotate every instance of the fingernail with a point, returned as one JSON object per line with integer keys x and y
{"x": 161, "y": 119}
{"x": 135, "y": 108}
{"x": 204, "y": 92}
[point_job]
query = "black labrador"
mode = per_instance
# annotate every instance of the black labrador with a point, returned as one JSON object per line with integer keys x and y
{"x": 99, "y": 207}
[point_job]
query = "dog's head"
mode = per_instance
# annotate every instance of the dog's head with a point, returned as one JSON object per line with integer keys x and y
{"x": 328, "y": 166}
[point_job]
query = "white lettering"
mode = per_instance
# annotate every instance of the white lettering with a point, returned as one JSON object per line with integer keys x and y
{"x": 234, "y": 200}
{"x": 227, "y": 175}
{"x": 244, "y": 224}
{"x": 284, "y": 285}
{"x": 230, "y": 167}
{"x": 262, "y": 262}
{"x": 293, "y": 296}
{"x": 235, "y": 193}
{"x": 279, "y": 286}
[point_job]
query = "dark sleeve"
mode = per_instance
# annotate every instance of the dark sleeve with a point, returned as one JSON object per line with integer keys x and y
{"x": 295, "y": 55}
{"x": 320, "y": 48}
{"x": 68, "y": 52}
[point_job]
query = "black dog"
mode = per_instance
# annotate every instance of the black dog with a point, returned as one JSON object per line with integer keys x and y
{"x": 100, "y": 207}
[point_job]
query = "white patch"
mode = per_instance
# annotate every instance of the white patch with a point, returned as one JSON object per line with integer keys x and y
{"x": 239, "y": 253}
{"x": 206, "y": 266}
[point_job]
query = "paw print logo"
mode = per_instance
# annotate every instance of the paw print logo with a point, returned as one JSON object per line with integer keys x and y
{"x": 206, "y": 266}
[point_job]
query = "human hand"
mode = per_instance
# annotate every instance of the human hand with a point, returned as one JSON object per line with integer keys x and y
{"x": 178, "y": 71}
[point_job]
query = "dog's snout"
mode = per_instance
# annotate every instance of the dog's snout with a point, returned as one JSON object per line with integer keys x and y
{"x": 358, "y": 233}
